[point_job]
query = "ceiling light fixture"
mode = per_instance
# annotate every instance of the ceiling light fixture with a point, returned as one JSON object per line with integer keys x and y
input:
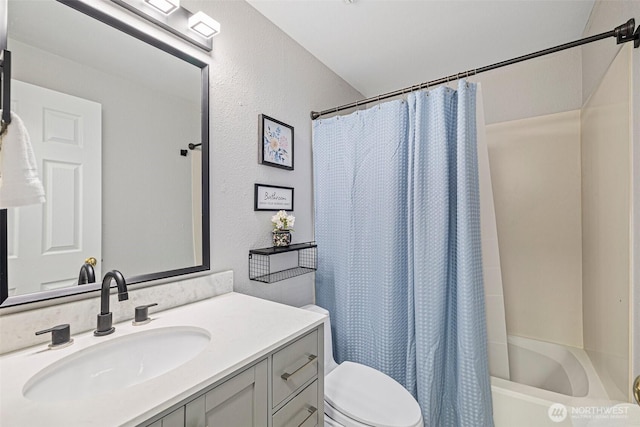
{"x": 204, "y": 25}
{"x": 197, "y": 28}
{"x": 164, "y": 6}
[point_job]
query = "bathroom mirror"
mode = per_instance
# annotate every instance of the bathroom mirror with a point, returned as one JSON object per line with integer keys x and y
{"x": 111, "y": 112}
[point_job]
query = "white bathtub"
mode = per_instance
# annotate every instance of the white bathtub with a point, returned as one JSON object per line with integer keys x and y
{"x": 545, "y": 376}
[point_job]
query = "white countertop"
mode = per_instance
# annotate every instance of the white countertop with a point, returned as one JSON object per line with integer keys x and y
{"x": 243, "y": 329}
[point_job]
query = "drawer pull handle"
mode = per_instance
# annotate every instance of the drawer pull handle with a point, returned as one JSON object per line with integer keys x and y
{"x": 312, "y": 412}
{"x": 288, "y": 375}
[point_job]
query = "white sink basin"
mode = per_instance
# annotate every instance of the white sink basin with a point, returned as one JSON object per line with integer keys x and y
{"x": 116, "y": 364}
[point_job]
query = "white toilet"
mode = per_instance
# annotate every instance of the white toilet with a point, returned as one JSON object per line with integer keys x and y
{"x": 356, "y": 395}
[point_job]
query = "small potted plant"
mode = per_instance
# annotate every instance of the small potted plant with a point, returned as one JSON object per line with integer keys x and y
{"x": 282, "y": 228}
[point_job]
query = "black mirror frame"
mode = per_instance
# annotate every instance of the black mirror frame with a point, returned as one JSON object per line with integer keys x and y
{"x": 5, "y": 300}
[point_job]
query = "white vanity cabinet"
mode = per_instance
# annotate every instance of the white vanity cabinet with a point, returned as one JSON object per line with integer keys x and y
{"x": 283, "y": 389}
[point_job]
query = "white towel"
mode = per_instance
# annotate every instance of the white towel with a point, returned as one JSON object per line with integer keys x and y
{"x": 19, "y": 182}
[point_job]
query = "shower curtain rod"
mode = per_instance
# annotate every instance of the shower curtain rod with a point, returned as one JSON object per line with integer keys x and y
{"x": 623, "y": 33}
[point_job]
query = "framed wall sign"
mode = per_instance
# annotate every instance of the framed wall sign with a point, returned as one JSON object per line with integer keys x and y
{"x": 272, "y": 198}
{"x": 276, "y": 143}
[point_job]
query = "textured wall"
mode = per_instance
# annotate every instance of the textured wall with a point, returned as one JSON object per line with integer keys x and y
{"x": 256, "y": 68}
{"x": 596, "y": 57}
{"x": 541, "y": 86}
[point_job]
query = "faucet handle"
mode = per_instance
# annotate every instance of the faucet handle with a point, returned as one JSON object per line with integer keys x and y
{"x": 142, "y": 314}
{"x": 60, "y": 336}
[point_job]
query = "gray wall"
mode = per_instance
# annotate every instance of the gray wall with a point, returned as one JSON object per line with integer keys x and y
{"x": 541, "y": 86}
{"x": 256, "y": 69}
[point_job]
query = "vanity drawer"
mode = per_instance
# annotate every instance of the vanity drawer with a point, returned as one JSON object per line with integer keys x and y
{"x": 294, "y": 365}
{"x": 301, "y": 411}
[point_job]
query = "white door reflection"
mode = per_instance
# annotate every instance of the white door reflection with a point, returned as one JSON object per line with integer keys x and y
{"x": 49, "y": 243}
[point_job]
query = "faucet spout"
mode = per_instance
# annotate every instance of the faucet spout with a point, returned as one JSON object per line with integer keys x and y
{"x": 106, "y": 287}
{"x": 105, "y": 318}
{"x": 87, "y": 274}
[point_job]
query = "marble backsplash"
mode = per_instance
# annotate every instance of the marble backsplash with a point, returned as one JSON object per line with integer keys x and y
{"x": 17, "y": 329}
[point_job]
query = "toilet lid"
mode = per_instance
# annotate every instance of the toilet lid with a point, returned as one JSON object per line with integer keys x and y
{"x": 370, "y": 397}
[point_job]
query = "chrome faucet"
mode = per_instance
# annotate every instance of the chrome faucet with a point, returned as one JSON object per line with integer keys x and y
{"x": 105, "y": 318}
{"x": 87, "y": 274}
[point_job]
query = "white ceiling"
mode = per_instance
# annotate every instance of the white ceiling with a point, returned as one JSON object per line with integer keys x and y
{"x": 379, "y": 46}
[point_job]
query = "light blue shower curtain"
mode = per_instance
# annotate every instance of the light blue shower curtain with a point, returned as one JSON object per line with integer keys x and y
{"x": 399, "y": 258}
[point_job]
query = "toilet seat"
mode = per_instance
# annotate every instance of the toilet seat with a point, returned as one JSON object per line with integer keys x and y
{"x": 368, "y": 397}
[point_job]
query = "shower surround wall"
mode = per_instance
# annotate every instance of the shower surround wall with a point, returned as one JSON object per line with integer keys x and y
{"x": 596, "y": 59}
{"x": 546, "y": 171}
{"x": 535, "y": 168}
{"x": 606, "y": 216}
{"x": 492, "y": 275}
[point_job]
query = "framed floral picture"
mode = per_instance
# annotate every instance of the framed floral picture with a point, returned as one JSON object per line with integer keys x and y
{"x": 276, "y": 143}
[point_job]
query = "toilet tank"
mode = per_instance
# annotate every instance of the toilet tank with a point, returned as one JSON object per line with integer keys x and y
{"x": 329, "y": 363}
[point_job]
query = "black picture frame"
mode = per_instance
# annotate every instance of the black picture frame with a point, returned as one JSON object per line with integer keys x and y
{"x": 272, "y": 198}
{"x": 275, "y": 142}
